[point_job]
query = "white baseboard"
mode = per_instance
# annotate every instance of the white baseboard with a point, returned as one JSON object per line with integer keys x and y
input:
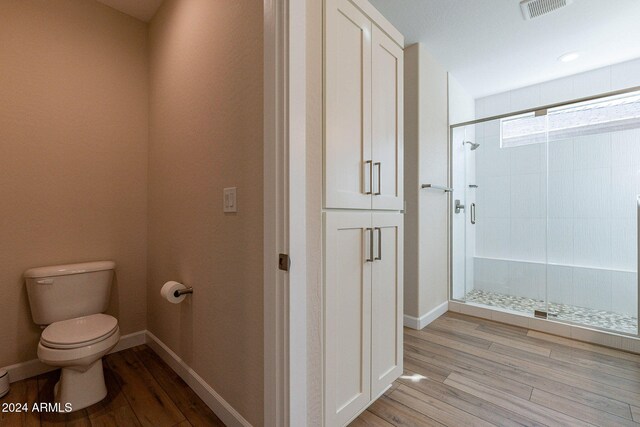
{"x": 130, "y": 340}
{"x": 221, "y": 407}
{"x": 33, "y": 368}
{"x": 422, "y": 321}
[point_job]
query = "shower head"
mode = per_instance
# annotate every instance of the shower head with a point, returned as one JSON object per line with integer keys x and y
{"x": 474, "y": 145}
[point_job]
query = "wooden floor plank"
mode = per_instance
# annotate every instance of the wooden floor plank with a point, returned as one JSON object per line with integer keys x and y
{"x": 469, "y": 403}
{"x": 602, "y": 376}
{"x": 435, "y": 353}
{"x": 483, "y": 377}
{"x": 579, "y": 411}
{"x": 22, "y": 392}
{"x": 478, "y": 334}
{"x": 369, "y": 419}
{"x": 595, "y": 363}
{"x": 618, "y": 354}
{"x": 531, "y": 410}
{"x": 435, "y": 373}
{"x": 635, "y": 412}
{"x": 400, "y": 415}
{"x": 122, "y": 416}
{"x": 434, "y": 408}
{"x": 182, "y": 395}
{"x": 466, "y": 336}
{"x": 484, "y": 324}
{"x": 622, "y": 394}
{"x": 149, "y": 401}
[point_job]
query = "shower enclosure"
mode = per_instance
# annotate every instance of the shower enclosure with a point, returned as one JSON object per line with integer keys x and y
{"x": 544, "y": 212}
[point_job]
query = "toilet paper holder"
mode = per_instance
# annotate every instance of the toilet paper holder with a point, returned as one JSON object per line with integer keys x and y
{"x": 188, "y": 290}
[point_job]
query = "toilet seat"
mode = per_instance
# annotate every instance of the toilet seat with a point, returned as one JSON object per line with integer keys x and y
{"x": 79, "y": 332}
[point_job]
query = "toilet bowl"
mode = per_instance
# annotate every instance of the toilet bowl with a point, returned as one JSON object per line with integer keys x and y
{"x": 77, "y": 346}
{"x": 69, "y": 302}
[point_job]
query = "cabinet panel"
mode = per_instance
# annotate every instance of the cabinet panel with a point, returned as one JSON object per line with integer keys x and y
{"x": 347, "y": 315}
{"x": 347, "y": 151}
{"x": 387, "y": 121}
{"x": 386, "y": 301}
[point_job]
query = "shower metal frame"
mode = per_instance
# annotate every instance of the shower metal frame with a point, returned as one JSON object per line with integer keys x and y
{"x": 450, "y": 194}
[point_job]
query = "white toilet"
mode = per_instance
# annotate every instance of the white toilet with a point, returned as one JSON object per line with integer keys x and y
{"x": 71, "y": 299}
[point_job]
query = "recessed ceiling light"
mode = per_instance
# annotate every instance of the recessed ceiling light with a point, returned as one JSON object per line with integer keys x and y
{"x": 568, "y": 57}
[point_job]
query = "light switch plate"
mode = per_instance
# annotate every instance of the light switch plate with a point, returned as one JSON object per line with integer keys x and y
{"x": 230, "y": 201}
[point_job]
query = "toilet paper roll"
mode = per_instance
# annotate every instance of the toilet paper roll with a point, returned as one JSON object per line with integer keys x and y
{"x": 169, "y": 289}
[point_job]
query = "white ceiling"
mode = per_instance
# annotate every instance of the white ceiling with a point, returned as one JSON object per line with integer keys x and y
{"x": 489, "y": 48}
{"x": 141, "y": 9}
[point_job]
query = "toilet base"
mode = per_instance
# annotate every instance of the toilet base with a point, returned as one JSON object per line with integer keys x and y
{"x": 80, "y": 388}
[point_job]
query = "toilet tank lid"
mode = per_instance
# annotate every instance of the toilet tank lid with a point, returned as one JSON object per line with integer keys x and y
{"x": 68, "y": 269}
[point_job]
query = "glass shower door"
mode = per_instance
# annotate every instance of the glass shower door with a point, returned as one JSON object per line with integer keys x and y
{"x": 594, "y": 182}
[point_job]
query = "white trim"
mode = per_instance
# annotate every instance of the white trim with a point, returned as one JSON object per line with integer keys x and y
{"x": 297, "y": 204}
{"x": 221, "y": 407}
{"x": 129, "y": 341}
{"x": 275, "y": 200}
{"x": 285, "y": 310}
{"x": 576, "y": 332}
{"x": 422, "y": 321}
{"x": 35, "y": 367}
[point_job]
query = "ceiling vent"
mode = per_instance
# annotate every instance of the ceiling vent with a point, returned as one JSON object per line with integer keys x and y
{"x": 535, "y": 8}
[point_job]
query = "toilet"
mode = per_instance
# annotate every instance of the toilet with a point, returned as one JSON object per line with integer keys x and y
{"x": 69, "y": 302}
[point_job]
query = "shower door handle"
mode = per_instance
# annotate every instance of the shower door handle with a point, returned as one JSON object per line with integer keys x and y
{"x": 473, "y": 213}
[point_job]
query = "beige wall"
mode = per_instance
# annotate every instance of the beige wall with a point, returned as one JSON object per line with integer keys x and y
{"x": 426, "y": 161}
{"x": 73, "y": 154}
{"x": 206, "y": 133}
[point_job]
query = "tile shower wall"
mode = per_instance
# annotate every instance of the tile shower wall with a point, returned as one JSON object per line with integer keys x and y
{"x": 590, "y": 234}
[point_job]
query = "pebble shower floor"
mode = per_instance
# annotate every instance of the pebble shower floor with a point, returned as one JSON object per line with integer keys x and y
{"x": 580, "y": 315}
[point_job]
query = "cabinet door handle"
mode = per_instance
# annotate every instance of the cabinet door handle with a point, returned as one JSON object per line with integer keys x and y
{"x": 379, "y": 165}
{"x": 473, "y": 213}
{"x": 379, "y": 257}
{"x": 370, "y": 259}
{"x": 368, "y": 165}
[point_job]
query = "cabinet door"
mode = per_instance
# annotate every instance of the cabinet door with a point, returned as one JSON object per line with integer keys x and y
{"x": 387, "y": 73}
{"x": 386, "y": 301}
{"x": 347, "y": 315}
{"x": 347, "y": 146}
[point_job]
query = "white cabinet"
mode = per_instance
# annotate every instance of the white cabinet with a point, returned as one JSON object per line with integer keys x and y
{"x": 363, "y": 97}
{"x": 387, "y": 75}
{"x": 362, "y": 311}
{"x": 386, "y": 301}
{"x": 363, "y": 177}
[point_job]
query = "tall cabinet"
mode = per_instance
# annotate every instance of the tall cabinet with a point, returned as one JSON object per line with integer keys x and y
{"x": 362, "y": 203}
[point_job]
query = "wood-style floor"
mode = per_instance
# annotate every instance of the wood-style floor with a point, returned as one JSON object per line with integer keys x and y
{"x": 465, "y": 371}
{"x": 459, "y": 371}
{"x": 143, "y": 391}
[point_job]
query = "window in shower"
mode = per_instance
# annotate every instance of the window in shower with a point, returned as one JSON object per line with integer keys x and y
{"x": 550, "y": 219}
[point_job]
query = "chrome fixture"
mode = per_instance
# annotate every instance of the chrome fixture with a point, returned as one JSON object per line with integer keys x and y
{"x": 188, "y": 290}
{"x": 474, "y": 145}
{"x": 438, "y": 187}
{"x": 459, "y": 206}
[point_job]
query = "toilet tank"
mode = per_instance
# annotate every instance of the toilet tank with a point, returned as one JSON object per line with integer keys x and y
{"x": 62, "y": 292}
